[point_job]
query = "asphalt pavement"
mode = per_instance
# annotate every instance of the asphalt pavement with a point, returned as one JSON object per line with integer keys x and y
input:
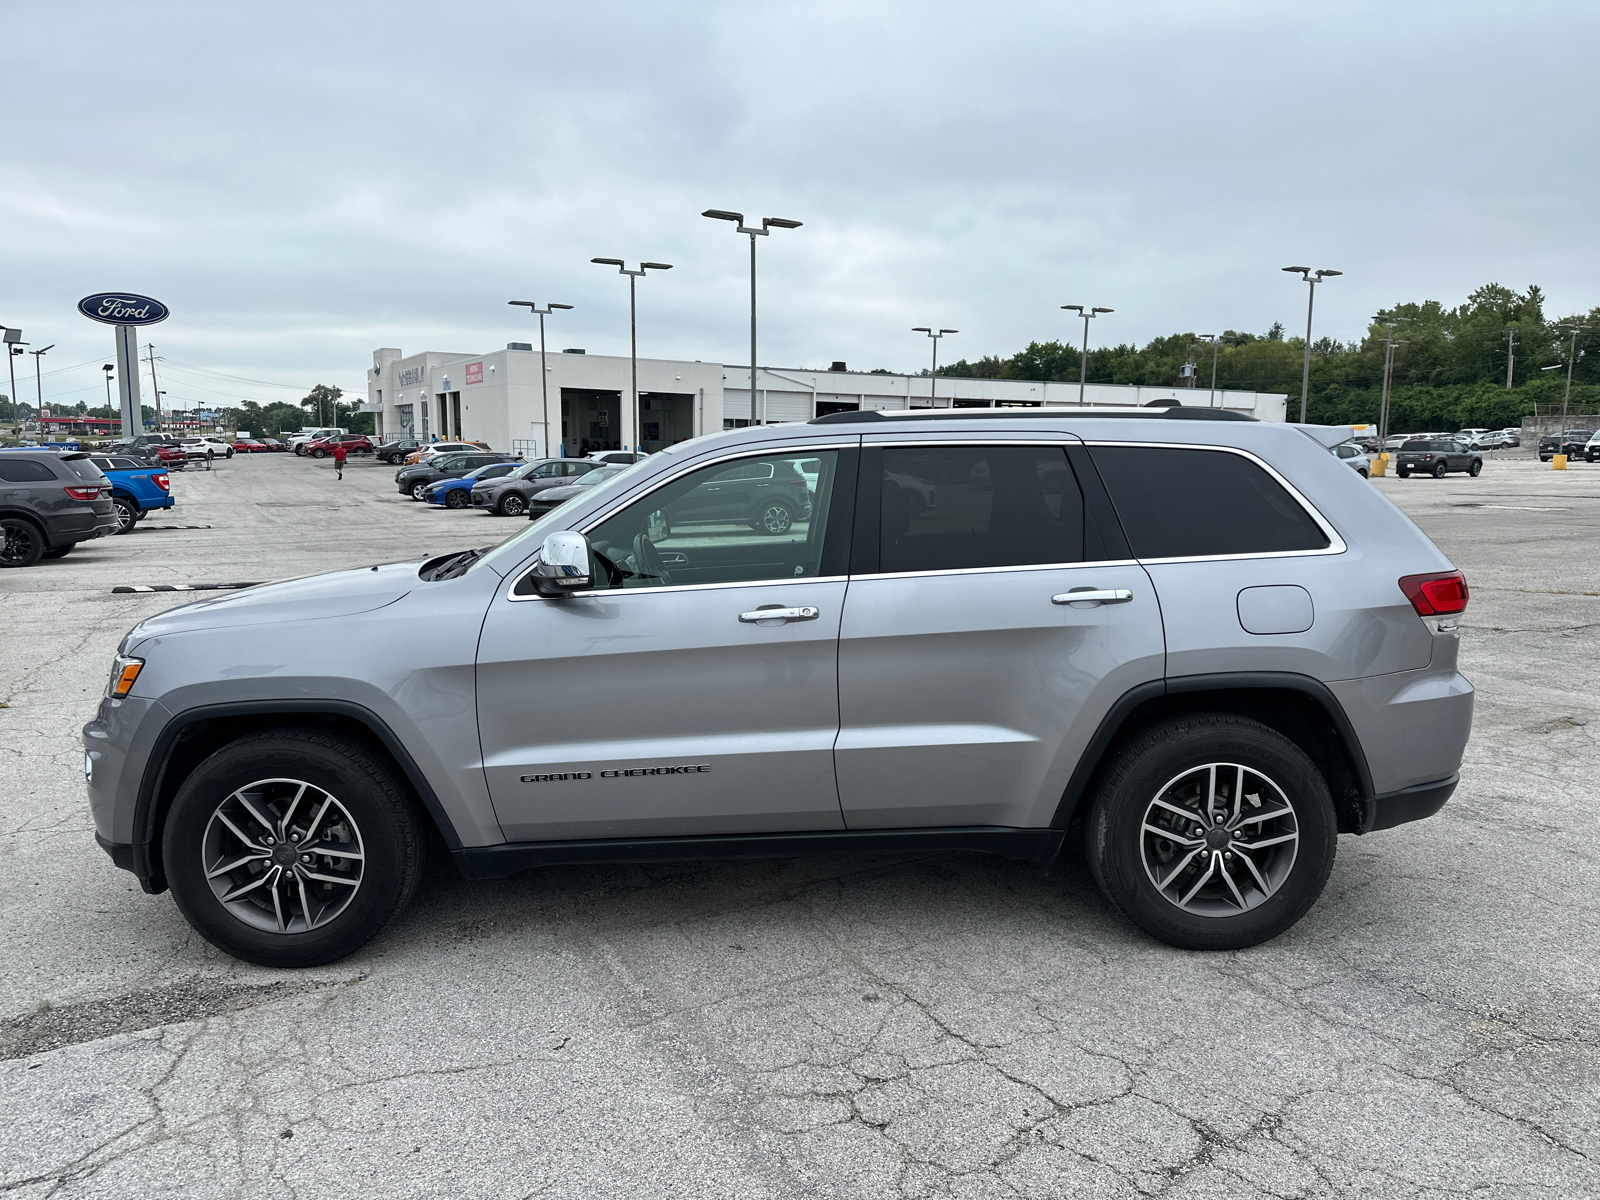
{"x": 890, "y": 1026}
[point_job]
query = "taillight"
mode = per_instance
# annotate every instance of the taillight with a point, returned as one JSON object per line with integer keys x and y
{"x": 1438, "y": 595}
{"x": 163, "y": 481}
{"x": 84, "y": 493}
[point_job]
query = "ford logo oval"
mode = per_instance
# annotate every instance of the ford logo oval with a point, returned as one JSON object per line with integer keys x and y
{"x": 122, "y": 308}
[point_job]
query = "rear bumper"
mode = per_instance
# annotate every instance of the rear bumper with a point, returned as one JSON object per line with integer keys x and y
{"x": 66, "y": 528}
{"x": 1408, "y": 804}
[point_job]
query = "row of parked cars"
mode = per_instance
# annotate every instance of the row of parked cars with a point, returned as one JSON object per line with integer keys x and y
{"x": 503, "y": 484}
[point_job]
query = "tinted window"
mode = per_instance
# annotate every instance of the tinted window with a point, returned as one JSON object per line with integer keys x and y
{"x": 84, "y": 468}
{"x": 123, "y": 464}
{"x": 24, "y": 470}
{"x": 1184, "y": 503}
{"x": 718, "y": 525}
{"x": 962, "y": 507}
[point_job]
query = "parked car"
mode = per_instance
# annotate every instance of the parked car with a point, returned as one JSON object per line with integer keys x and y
{"x": 552, "y": 498}
{"x": 414, "y": 481}
{"x": 432, "y": 450}
{"x": 248, "y": 446}
{"x": 1172, "y": 653}
{"x": 457, "y": 493}
{"x": 273, "y": 445}
{"x": 1572, "y": 443}
{"x": 49, "y": 502}
{"x": 195, "y": 448}
{"x": 768, "y": 497}
{"x": 1356, "y": 456}
{"x": 1482, "y": 439}
{"x": 395, "y": 452}
{"x": 297, "y": 442}
{"x": 1436, "y": 457}
{"x": 137, "y": 488}
{"x": 511, "y": 496}
{"x": 353, "y": 443}
{"x": 1591, "y": 448}
{"x": 616, "y": 457}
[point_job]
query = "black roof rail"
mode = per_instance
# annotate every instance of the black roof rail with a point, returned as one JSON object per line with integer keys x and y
{"x": 1169, "y": 413}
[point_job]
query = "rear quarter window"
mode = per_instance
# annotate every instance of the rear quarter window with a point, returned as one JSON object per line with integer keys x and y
{"x": 1182, "y": 503}
{"x": 26, "y": 470}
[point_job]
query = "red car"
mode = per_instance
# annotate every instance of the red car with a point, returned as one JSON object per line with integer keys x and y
{"x": 248, "y": 446}
{"x": 354, "y": 443}
{"x": 174, "y": 457}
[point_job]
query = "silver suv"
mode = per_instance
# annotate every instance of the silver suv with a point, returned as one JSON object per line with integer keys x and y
{"x": 1202, "y": 641}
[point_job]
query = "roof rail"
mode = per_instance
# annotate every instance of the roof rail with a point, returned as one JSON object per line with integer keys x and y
{"x": 1169, "y": 413}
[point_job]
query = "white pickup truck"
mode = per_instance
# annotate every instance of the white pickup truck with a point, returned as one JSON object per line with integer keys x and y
{"x": 297, "y": 441}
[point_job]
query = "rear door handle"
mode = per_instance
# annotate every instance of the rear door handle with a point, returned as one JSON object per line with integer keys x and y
{"x": 775, "y": 613}
{"x": 1087, "y": 595}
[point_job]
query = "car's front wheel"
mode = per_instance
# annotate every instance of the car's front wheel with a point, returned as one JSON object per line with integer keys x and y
{"x": 319, "y": 454}
{"x": 229, "y": 454}
{"x": 419, "y": 491}
{"x": 1212, "y": 832}
{"x": 457, "y": 498}
{"x": 291, "y": 847}
{"x": 513, "y": 505}
{"x": 1476, "y": 469}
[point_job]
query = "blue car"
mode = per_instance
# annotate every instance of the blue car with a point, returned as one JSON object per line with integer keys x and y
{"x": 136, "y": 487}
{"x": 457, "y": 493}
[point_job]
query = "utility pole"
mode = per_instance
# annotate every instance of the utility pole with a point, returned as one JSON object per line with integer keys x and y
{"x": 1572, "y": 358}
{"x": 154, "y": 386}
{"x": 38, "y": 384}
{"x": 1216, "y": 345}
{"x": 1511, "y": 353}
{"x": 1389, "y": 322}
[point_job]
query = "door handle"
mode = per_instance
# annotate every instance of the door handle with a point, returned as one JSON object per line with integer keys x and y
{"x": 1088, "y": 595}
{"x": 777, "y": 613}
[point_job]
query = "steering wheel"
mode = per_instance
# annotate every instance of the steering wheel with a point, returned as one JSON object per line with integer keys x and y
{"x": 647, "y": 560}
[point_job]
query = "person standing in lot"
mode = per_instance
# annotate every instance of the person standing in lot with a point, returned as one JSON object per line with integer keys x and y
{"x": 210, "y": 454}
{"x": 338, "y": 459}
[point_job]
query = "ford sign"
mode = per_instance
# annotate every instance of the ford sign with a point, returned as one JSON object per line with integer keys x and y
{"x": 122, "y": 308}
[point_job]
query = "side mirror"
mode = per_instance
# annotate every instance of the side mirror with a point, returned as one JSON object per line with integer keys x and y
{"x": 563, "y": 565}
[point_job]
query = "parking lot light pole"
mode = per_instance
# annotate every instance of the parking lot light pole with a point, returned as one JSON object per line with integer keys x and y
{"x": 544, "y": 369}
{"x": 768, "y": 224}
{"x": 1083, "y": 360}
{"x": 933, "y": 376}
{"x": 1389, "y": 323}
{"x": 108, "y": 368}
{"x": 1559, "y": 461}
{"x": 633, "y": 331}
{"x": 1313, "y": 278}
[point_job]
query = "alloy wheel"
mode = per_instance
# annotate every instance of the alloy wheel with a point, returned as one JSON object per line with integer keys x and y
{"x": 282, "y": 855}
{"x": 1219, "y": 839}
{"x": 22, "y": 545}
{"x": 775, "y": 518}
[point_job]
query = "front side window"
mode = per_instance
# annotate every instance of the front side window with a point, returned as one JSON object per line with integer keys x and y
{"x": 1180, "y": 503}
{"x": 741, "y": 522}
{"x": 947, "y": 508}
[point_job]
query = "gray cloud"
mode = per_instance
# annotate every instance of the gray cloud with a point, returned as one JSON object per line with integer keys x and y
{"x": 306, "y": 182}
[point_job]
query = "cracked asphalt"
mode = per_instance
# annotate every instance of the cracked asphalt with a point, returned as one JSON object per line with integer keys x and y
{"x": 939, "y": 1025}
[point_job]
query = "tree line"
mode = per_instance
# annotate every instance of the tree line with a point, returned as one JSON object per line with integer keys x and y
{"x": 1449, "y": 364}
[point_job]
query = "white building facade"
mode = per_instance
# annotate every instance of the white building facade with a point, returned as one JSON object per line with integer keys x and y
{"x": 572, "y": 403}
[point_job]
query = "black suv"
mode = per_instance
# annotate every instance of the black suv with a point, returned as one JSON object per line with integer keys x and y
{"x": 769, "y": 497}
{"x": 413, "y": 481}
{"x": 1436, "y": 457}
{"x": 395, "y": 453}
{"x": 50, "y": 502}
{"x": 1571, "y": 443}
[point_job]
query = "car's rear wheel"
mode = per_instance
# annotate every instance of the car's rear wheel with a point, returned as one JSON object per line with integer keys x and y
{"x": 22, "y": 544}
{"x": 419, "y": 491}
{"x": 127, "y": 513}
{"x": 513, "y": 505}
{"x": 291, "y": 847}
{"x": 1212, "y": 832}
{"x": 1439, "y": 470}
{"x": 774, "y": 517}
{"x": 457, "y": 498}
{"x": 1404, "y": 474}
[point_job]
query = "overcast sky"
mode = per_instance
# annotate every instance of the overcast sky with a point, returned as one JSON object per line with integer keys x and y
{"x": 302, "y": 183}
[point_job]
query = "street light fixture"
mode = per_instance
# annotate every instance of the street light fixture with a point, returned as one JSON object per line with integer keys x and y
{"x": 1313, "y": 278}
{"x": 1083, "y": 360}
{"x": 633, "y": 330}
{"x": 544, "y": 369}
{"x": 933, "y": 377}
{"x": 108, "y": 368}
{"x": 768, "y": 224}
{"x": 38, "y": 384}
{"x": 1216, "y": 345}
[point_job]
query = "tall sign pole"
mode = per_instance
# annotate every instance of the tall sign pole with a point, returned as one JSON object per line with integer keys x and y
{"x": 127, "y": 313}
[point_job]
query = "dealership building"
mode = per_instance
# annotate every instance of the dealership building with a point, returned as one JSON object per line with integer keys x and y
{"x": 577, "y": 402}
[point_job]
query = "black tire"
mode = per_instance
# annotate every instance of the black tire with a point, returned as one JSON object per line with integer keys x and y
{"x": 1476, "y": 469}
{"x": 512, "y": 504}
{"x": 1404, "y": 474}
{"x": 229, "y": 454}
{"x": 319, "y": 454}
{"x": 1148, "y": 767}
{"x": 1439, "y": 470}
{"x": 386, "y": 827}
{"x": 419, "y": 492}
{"x": 127, "y": 513}
{"x": 774, "y": 517}
{"x": 21, "y": 543}
{"x": 457, "y": 498}
{"x": 58, "y": 551}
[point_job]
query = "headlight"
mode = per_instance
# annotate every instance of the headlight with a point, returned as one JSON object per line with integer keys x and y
{"x": 124, "y": 671}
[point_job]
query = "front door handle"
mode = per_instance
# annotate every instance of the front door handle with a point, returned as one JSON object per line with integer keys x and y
{"x": 777, "y": 613}
{"x": 1089, "y": 595}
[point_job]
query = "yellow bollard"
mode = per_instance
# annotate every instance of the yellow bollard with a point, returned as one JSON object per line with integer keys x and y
{"x": 1558, "y": 463}
{"x": 1380, "y": 465}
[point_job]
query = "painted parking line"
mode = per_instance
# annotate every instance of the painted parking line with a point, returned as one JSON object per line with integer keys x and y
{"x": 181, "y": 587}
{"x": 147, "y": 528}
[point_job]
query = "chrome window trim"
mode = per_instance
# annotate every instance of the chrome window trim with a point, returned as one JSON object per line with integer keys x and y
{"x": 610, "y": 593}
{"x": 1025, "y": 439}
{"x": 1336, "y": 544}
{"x": 743, "y": 452}
{"x": 1086, "y": 564}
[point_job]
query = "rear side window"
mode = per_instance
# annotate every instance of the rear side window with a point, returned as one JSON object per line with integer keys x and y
{"x": 84, "y": 468}
{"x": 952, "y": 508}
{"x": 1178, "y": 503}
{"x": 25, "y": 470}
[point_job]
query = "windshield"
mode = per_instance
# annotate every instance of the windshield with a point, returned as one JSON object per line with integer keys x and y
{"x": 518, "y": 546}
